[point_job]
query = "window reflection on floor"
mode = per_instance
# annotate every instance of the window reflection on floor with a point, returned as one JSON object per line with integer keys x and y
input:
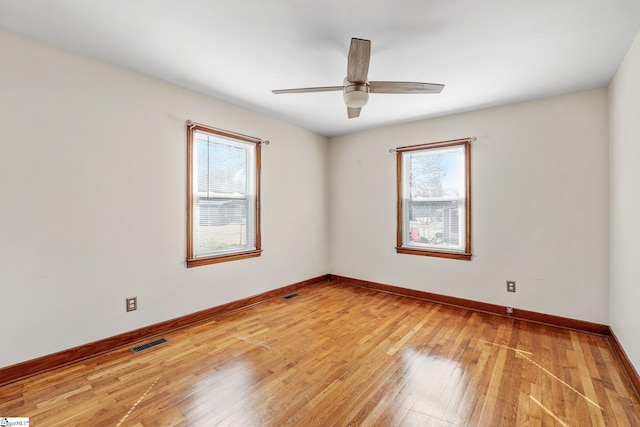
{"x": 221, "y": 396}
{"x": 434, "y": 391}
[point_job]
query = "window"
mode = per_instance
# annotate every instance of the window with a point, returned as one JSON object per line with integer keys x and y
{"x": 223, "y": 187}
{"x": 434, "y": 200}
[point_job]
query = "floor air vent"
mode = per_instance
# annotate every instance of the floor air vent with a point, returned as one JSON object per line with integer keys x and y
{"x": 290, "y": 296}
{"x": 141, "y": 347}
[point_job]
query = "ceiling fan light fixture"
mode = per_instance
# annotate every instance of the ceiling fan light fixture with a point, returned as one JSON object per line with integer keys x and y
{"x": 356, "y": 85}
{"x": 356, "y": 96}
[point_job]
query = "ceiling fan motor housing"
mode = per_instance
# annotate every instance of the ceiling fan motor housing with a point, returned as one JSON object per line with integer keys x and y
{"x": 356, "y": 95}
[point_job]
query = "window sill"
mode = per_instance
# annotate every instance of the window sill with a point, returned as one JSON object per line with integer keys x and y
{"x": 196, "y": 262}
{"x": 423, "y": 252}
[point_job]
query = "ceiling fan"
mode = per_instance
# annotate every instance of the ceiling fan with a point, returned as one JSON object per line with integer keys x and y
{"x": 356, "y": 87}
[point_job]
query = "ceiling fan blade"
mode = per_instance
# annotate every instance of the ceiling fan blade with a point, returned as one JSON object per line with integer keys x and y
{"x": 358, "y": 63}
{"x": 309, "y": 89}
{"x": 404, "y": 87}
{"x": 353, "y": 112}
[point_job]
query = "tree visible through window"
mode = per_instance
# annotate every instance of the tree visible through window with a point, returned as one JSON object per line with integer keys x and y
{"x": 434, "y": 200}
{"x": 223, "y": 207}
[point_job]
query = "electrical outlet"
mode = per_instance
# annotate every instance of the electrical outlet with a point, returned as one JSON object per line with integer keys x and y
{"x": 509, "y": 311}
{"x": 511, "y": 286}
{"x": 132, "y": 303}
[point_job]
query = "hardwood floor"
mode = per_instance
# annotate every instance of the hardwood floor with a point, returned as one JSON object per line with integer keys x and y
{"x": 346, "y": 356}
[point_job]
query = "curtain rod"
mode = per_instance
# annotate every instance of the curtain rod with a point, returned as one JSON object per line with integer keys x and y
{"x": 414, "y": 147}
{"x": 259, "y": 140}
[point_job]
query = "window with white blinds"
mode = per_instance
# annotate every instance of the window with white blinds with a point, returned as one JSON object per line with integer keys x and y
{"x": 223, "y": 204}
{"x": 434, "y": 200}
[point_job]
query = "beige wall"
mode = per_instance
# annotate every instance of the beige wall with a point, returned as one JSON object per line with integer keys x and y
{"x": 625, "y": 203}
{"x": 92, "y": 194}
{"x": 540, "y": 207}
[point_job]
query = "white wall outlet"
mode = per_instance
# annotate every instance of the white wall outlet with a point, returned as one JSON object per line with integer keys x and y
{"x": 132, "y": 303}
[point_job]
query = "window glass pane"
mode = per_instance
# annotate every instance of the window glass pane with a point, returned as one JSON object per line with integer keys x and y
{"x": 224, "y": 225}
{"x": 435, "y": 224}
{"x": 221, "y": 167}
{"x": 435, "y": 173}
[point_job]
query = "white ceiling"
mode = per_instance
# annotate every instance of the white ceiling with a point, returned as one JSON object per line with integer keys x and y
{"x": 487, "y": 53}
